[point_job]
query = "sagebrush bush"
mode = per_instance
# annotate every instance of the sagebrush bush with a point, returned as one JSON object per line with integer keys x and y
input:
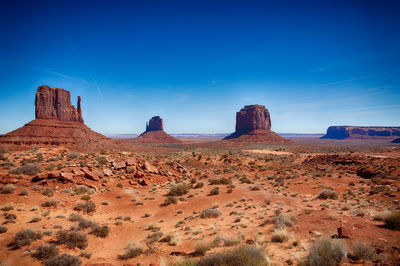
{"x": 239, "y": 256}
{"x": 220, "y": 181}
{"x": 101, "y": 231}
{"x": 49, "y": 192}
{"x": 327, "y": 251}
{"x": 87, "y": 207}
{"x": 26, "y": 169}
{"x": 132, "y": 250}
{"x": 170, "y": 200}
{"x": 7, "y": 207}
{"x": 179, "y": 189}
{"x": 3, "y": 228}
{"x": 279, "y": 235}
{"x": 49, "y": 203}
{"x": 72, "y": 239}
{"x": 362, "y": 251}
{"x": 63, "y": 260}
{"x": 328, "y": 193}
{"x": 392, "y": 221}
{"x": 45, "y": 252}
{"x": 24, "y": 192}
{"x": 7, "y": 189}
{"x": 214, "y": 191}
{"x": 24, "y": 238}
{"x": 283, "y": 220}
{"x": 210, "y": 213}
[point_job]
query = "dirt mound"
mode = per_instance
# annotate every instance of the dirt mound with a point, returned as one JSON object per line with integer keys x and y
{"x": 154, "y": 137}
{"x": 57, "y": 123}
{"x": 253, "y": 125}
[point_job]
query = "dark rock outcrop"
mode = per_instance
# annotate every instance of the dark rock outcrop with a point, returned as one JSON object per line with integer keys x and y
{"x": 154, "y": 134}
{"x": 253, "y": 124}
{"x": 354, "y": 132}
{"x": 154, "y": 124}
{"x": 57, "y": 123}
{"x": 55, "y": 103}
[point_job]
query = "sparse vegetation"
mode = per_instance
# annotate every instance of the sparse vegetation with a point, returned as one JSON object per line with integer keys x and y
{"x": 26, "y": 169}
{"x": 45, "y": 252}
{"x": 328, "y": 193}
{"x": 63, "y": 260}
{"x": 24, "y": 238}
{"x": 72, "y": 239}
{"x": 326, "y": 251}
{"x": 179, "y": 189}
{"x": 87, "y": 207}
{"x": 210, "y": 213}
{"x": 392, "y": 221}
{"x": 132, "y": 250}
{"x": 7, "y": 189}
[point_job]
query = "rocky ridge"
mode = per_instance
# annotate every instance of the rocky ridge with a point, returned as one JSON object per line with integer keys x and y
{"x": 354, "y": 132}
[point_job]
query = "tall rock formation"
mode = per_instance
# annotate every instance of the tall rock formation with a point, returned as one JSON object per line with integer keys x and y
{"x": 354, "y": 132}
{"x": 57, "y": 123}
{"x": 154, "y": 134}
{"x": 55, "y": 103}
{"x": 253, "y": 124}
{"x": 154, "y": 124}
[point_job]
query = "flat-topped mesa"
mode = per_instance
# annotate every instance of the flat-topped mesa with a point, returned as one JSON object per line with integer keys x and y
{"x": 155, "y": 124}
{"x": 355, "y": 132}
{"x": 253, "y": 117}
{"x": 55, "y": 104}
{"x": 253, "y": 125}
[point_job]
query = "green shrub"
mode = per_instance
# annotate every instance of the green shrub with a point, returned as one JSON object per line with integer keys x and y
{"x": 63, "y": 260}
{"x": 329, "y": 252}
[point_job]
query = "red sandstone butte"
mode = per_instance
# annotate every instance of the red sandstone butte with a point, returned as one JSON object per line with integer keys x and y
{"x": 57, "y": 123}
{"x": 154, "y": 133}
{"x": 253, "y": 125}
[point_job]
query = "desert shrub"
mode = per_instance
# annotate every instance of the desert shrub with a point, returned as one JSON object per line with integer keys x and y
{"x": 199, "y": 185}
{"x": 7, "y": 207}
{"x": 86, "y": 223}
{"x": 381, "y": 216}
{"x": 242, "y": 255}
{"x": 87, "y": 207}
{"x": 85, "y": 255}
{"x": 329, "y": 252}
{"x": 85, "y": 197}
{"x": 63, "y": 260}
{"x": 72, "y": 156}
{"x": 10, "y": 218}
{"x": 45, "y": 252}
{"x": 179, "y": 189}
{"x": 328, "y": 193}
{"x": 362, "y": 251}
{"x": 49, "y": 192}
{"x": 151, "y": 238}
{"x": 3, "y": 228}
{"x": 170, "y": 200}
{"x": 73, "y": 217}
{"x": 7, "y": 189}
{"x": 72, "y": 239}
{"x": 81, "y": 189}
{"x": 101, "y": 231}
{"x": 280, "y": 235}
{"x": 214, "y": 191}
{"x": 245, "y": 180}
{"x": 171, "y": 239}
{"x": 24, "y": 192}
{"x": 203, "y": 246}
{"x": 24, "y": 238}
{"x": 49, "y": 203}
{"x": 132, "y": 250}
{"x": 283, "y": 220}
{"x": 210, "y": 213}
{"x": 220, "y": 181}
{"x": 35, "y": 219}
{"x": 392, "y": 221}
{"x": 26, "y": 169}
{"x": 102, "y": 160}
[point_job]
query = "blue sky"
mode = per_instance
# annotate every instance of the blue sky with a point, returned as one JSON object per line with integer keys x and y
{"x": 195, "y": 63}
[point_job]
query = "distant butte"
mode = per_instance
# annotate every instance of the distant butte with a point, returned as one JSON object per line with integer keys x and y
{"x": 253, "y": 125}
{"x": 354, "y": 132}
{"x": 57, "y": 123}
{"x": 155, "y": 133}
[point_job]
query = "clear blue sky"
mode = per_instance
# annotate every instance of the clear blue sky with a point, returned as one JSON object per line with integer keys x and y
{"x": 195, "y": 63}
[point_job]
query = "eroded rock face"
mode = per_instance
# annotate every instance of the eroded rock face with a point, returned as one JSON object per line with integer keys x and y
{"x": 253, "y": 125}
{"x": 55, "y": 104}
{"x": 253, "y": 117}
{"x": 353, "y": 132}
{"x": 155, "y": 123}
